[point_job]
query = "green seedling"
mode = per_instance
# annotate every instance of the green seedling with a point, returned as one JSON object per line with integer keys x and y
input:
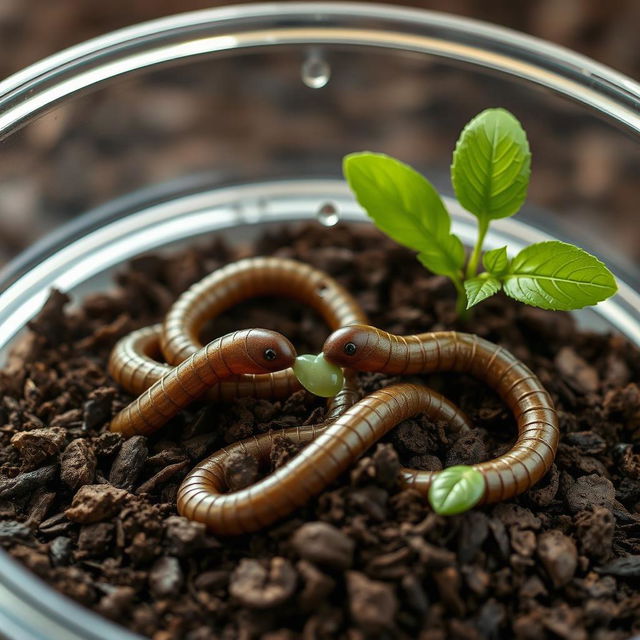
{"x": 455, "y": 490}
{"x": 490, "y": 174}
{"x": 318, "y": 376}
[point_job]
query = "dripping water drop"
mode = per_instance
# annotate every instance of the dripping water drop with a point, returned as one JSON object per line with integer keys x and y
{"x": 328, "y": 214}
{"x": 316, "y": 71}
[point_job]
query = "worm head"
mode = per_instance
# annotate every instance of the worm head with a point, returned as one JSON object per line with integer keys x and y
{"x": 265, "y": 351}
{"x": 353, "y": 347}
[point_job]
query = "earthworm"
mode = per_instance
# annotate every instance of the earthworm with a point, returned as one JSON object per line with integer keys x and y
{"x": 365, "y": 348}
{"x": 135, "y": 366}
{"x": 333, "y": 447}
{"x": 133, "y": 362}
{"x": 251, "y": 350}
{"x": 251, "y": 278}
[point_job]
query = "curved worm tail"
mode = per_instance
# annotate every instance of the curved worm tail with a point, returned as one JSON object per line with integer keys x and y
{"x": 538, "y": 433}
{"x": 250, "y": 278}
{"x": 332, "y": 449}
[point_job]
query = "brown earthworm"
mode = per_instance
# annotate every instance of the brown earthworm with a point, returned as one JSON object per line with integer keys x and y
{"x": 250, "y": 278}
{"x": 133, "y": 362}
{"x": 333, "y": 448}
{"x": 365, "y": 348}
{"x": 135, "y": 366}
{"x": 251, "y": 350}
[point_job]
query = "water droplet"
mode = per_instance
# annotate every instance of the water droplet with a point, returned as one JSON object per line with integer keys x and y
{"x": 316, "y": 71}
{"x": 328, "y": 214}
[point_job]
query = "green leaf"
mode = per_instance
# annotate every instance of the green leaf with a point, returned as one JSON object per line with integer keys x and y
{"x": 444, "y": 259}
{"x": 405, "y": 205}
{"x": 491, "y": 165}
{"x": 455, "y": 490}
{"x": 558, "y": 276}
{"x": 480, "y": 288}
{"x": 496, "y": 261}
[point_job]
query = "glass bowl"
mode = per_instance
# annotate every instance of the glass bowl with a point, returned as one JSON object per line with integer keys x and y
{"x": 227, "y": 120}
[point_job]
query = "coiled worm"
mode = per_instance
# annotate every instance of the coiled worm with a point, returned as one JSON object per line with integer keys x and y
{"x": 251, "y": 350}
{"x": 250, "y": 278}
{"x": 134, "y": 361}
{"x": 349, "y": 428}
{"x": 331, "y": 451}
{"x": 365, "y": 348}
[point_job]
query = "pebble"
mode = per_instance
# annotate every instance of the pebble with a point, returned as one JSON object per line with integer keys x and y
{"x": 588, "y": 442}
{"x": 372, "y": 604}
{"x": 97, "y": 409}
{"x": 166, "y": 577}
{"x": 25, "y": 483}
{"x": 324, "y": 544}
{"x": 558, "y": 555}
{"x": 240, "y": 470}
{"x": 37, "y": 445}
{"x": 129, "y": 462}
{"x": 258, "y": 587}
{"x": 117, "y": 602}
{"x": 95, "y": 502}
{"x": 316, "y": 585}
{"x": 381, "y": 468}
{"x": 587, "y": 491}
{"x": 95, "y": 539}
{"x": 60, "y": 551}
{"x": 184, "y": 536}
{"x": 470, "y": 448}
{"x": 594, "y": 529}
{"x": 78, "y": 464}
{"x": 12, "y": 531}
{"x": 108, "y": 443}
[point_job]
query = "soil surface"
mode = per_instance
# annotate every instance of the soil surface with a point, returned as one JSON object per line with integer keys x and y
{"x": 95, "y": 516}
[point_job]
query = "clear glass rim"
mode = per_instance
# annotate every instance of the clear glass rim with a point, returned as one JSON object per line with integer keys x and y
{"x": 33, "y": 91}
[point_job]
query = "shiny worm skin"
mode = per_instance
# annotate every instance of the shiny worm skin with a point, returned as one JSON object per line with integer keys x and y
{"x": 251, "y": 350}
{"x": 134, "y": 360}
{"x": 251, "y": 278}
{"x": 365, "y": 348}
{"x": 332, "y": 449}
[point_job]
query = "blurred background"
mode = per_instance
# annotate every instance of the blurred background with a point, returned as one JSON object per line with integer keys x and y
{"x": 176, "y": 122}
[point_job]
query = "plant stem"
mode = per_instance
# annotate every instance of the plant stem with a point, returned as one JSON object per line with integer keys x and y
{"x": 461, "y": 301}
{"x": 472, "y": 266}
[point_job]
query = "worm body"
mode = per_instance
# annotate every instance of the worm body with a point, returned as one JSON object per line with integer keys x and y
{"x": 237, "y": 365}
{"x": 365, "y": 348}
{"x": 250, "y": 278}
{"x": 331, "y": 451}
{"x": 133, "y": 362}
{"x": 252, "y": 350}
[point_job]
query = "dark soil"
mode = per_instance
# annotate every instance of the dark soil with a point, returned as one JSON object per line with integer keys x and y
{"x": 95, "y": 516}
